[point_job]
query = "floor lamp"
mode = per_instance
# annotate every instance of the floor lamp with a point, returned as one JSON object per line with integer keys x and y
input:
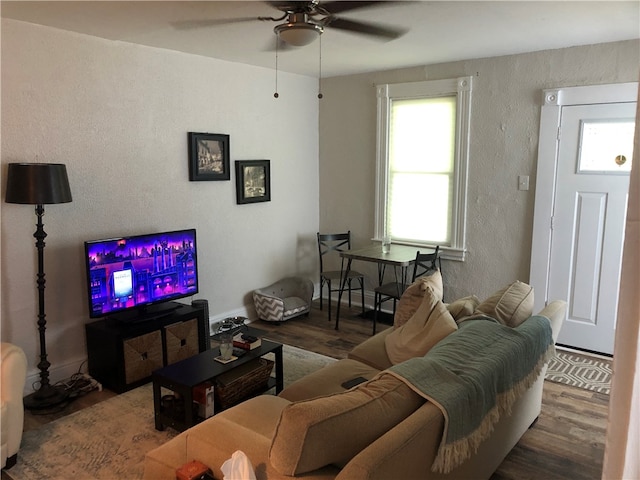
{"x": 39, "y": 184}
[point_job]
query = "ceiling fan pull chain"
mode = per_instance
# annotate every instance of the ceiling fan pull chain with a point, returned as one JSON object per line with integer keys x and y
{"x": 320, "y": 69}
{"x": 276, "y": 94}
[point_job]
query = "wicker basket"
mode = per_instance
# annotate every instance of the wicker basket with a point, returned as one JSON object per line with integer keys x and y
{"x": 142, "y": 355}
{"x": 242, "y": 382}
{"x": 182, "y": 340}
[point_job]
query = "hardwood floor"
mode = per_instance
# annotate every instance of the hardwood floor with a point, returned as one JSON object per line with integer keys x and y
{"x": 567, "y": 442}
{"x": 317, "y": 334}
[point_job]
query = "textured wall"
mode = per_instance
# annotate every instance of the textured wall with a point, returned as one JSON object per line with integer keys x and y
{"x": 118, "y": 115}
{"x": 505, "y": 111}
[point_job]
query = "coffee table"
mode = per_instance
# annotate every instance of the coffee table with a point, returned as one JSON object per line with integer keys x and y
{"x": 181, "y": 377}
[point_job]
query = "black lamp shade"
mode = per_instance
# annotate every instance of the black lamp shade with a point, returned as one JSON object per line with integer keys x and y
{"x": 37, "y": 183}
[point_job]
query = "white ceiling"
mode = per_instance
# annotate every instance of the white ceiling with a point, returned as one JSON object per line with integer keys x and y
{"x": 439, "y": 31}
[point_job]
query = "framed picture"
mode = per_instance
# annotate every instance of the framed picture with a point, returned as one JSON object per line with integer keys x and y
{"x": 253, "y": 181}
{"x": 208, "y": 157}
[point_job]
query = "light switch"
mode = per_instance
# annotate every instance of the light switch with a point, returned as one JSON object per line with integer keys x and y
{"x": 523, "y": 182}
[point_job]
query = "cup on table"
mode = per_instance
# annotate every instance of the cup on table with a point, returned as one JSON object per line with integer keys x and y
{"x": 226, "y": 346}
{"x": 386, "y": 244}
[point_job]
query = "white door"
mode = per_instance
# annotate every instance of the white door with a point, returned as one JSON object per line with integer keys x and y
{"x": 592, "y": 182}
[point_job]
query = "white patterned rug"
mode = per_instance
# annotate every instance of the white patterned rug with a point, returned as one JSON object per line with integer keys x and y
{"x": 577, "y": 370}
{"x": 109, "y": 440}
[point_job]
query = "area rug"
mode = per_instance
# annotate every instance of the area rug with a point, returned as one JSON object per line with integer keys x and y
{"x": 109, "y": 440}
{"x": 583, "y": 371}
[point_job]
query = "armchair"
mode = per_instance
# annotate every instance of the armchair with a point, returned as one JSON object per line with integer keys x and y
{"x": 13, "y": 375}
{"x": 284, "y": 299}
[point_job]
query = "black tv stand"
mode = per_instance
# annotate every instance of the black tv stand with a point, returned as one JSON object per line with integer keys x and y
{"x": 146, "y": 314}
{"x": 123, "y": 352}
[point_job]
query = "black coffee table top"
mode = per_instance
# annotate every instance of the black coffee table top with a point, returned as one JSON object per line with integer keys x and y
{"x": 194, "y": 370}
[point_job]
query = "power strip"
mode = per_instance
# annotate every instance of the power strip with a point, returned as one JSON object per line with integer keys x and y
{"x": 81, "y": 383}
{"x": 94, "y": 383}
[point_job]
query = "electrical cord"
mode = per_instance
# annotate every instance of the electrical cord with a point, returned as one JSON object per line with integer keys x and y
{"x": 77, "y": 385}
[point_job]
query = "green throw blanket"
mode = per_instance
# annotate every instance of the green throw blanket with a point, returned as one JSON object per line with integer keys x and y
{"x": 474, "y": 376}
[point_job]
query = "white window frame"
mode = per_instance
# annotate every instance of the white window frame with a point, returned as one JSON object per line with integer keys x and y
{"x": 461, "y": 87}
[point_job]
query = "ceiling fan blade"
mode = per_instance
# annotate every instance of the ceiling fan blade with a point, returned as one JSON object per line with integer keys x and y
{"x": 374, "y": 29}
{"x": 341, "y": 7}
{"x": 191, "y": 24}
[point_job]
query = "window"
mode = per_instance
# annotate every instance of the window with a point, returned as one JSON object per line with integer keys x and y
{"x": 606, "y": 146}
{"x": 423, "y": 134}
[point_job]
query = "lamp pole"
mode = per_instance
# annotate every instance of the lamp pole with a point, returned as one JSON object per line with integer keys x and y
{"x": 47, "y": 395}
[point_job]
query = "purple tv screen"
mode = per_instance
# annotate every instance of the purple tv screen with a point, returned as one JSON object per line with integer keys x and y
{"x": 141, "y": 270}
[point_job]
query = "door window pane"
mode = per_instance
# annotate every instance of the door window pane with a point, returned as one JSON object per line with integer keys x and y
{"x": 606, "y": 146}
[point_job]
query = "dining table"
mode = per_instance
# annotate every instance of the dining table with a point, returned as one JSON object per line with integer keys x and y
{"x": 399, "y": 257}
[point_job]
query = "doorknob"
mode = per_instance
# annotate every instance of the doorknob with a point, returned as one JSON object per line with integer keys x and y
{"x": 621, "y": 160}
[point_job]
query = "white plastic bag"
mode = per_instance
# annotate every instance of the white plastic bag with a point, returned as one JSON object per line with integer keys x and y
{"x": 238, "y": 467}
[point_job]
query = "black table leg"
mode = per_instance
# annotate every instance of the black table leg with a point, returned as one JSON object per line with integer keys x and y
{"x": 343, "y": 283}
{"x": 157, "y": 406}
{"x": 279, "y": 370}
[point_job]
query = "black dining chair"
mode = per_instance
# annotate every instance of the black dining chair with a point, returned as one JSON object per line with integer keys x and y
{"x": 330, "y": 245}
{"x": 423, "y": 264}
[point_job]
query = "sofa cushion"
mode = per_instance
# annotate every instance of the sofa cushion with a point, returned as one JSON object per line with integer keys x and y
{"x": 372, "y": 351}
{"x": 428, "y": 325}
{"x": 328, "y": 380}
{"x": 412, "y": 297}
{"x": 463, "y": 307}
{"x": 510, "y": 305}
{"x": 333, "y": 429}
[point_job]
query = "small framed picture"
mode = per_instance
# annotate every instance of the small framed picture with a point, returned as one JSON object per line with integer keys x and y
{"x": 208, "y": 157}
{"x": 253, "y": 181}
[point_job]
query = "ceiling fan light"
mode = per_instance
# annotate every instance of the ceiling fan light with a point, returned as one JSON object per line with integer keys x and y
{"x": 298, "y": 34}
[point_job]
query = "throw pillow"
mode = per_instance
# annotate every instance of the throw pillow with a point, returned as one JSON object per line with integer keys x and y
{"x": 510, "y": 305}
{"x": 428, "y": 325}
{"x": 463, "y": 307}
{"x": 335, "y": 428}
{"x": 412, "y": 297}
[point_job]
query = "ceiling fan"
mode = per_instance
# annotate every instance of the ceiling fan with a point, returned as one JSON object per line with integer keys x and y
{"x": 304, "y": 21}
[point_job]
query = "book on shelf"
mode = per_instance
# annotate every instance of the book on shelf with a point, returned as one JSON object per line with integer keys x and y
{"x": 203, "y": 397}
{"x": 246, "y": 342}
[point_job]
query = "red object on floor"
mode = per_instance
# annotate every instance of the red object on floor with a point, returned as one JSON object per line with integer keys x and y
{"x": 193, "y": 470}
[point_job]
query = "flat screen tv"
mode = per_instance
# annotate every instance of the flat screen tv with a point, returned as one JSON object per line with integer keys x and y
{"x": 139, "y": 275}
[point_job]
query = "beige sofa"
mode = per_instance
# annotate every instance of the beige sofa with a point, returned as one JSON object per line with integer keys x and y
{"x": 13, "y": 376}
{"x": 378, "y": 430}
